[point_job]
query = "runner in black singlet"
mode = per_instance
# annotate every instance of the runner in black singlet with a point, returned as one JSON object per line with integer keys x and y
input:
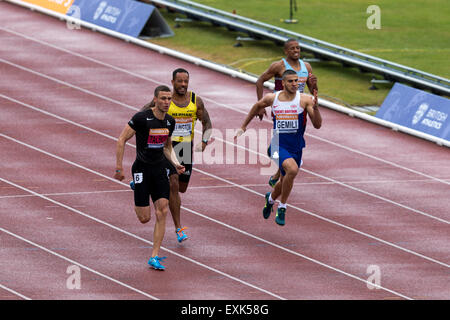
{"x": 153, "y": 129}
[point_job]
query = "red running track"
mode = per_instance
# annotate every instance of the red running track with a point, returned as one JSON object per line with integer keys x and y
{"x": 366, "y": 197}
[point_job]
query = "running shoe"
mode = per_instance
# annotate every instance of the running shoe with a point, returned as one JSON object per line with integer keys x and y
{"x": 280, "y": 217}
{"x": 154, "y": 262}
{"x": 272, "y": 182}
{"x": 181, "y": 236}
{"x": 132, "y": 185}
{"x": 268, "y": 208}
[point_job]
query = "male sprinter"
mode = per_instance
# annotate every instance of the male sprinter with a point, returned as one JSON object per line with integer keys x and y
{"x": 289, "y": 108}
{"x": 292, "y": 61}
{"x": 186, "y": 107}
{"x": 153, "y": 129}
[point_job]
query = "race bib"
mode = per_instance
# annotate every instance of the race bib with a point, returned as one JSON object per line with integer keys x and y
{"x": 286, "y": 123}
{"x": 183, "y": 127}
{"x": 138, "y": 177}
{"x": 157, "y": 137}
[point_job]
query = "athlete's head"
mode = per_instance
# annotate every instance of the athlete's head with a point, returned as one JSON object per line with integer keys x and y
{"x": 162, "y": 98}
{"x": 290, "y": 81}
{"x": 292, "y": 49}
{"x": 180, "y": 81}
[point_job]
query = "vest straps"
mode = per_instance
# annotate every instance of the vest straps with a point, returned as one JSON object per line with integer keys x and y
{"x": 193, "y": 97}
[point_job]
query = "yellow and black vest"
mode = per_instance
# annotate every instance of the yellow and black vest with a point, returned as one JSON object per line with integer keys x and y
{"x": 185, "y": 119}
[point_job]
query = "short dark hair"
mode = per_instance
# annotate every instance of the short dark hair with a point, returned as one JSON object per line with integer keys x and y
{"x": 288, "y": 72}
{"x": 178, "y": 70}
{"x": 158, "y": 89}
{"x": 286, "y": 43}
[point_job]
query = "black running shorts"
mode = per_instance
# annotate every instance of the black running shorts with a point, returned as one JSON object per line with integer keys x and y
{"x": 150, "y": 180}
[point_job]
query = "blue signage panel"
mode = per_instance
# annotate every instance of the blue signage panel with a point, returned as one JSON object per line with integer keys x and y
{"x": 124, "y": 16}
{"x": 418, "y": 110}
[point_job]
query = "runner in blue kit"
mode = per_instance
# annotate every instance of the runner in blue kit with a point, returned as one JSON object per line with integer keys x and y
{"x": 292, "y": 61}
{"x": 153, "y": 129}
{"x": 289, "y": 111}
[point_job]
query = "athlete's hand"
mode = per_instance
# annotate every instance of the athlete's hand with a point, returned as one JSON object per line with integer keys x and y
{"x": 119, "y": 175}
{"x": 261, "y": 114}
{"x": 239, "y": 132}
{"x": 180, "y": 169}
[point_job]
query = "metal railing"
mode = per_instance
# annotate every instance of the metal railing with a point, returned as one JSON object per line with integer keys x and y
{"x": 320, "y": 49}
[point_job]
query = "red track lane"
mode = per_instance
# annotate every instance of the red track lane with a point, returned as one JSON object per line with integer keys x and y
{"x": 211, "y": 245}
{"x": 99, "y": 96}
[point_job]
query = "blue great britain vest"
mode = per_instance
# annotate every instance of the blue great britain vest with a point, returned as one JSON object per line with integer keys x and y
{"x": 302, "y": 76}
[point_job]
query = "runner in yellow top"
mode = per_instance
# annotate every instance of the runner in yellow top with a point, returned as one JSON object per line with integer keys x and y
{"x": 186, "y": 108}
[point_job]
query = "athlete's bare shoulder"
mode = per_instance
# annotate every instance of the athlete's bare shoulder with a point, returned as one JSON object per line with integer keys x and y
{"x": 278, "y": 68}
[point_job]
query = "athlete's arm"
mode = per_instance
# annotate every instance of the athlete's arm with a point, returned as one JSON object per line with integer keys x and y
{"x": 127, "y": 134}
{"x": 148, "y": 106}
{"x": 257, "y": 108}
{"x": 312, "y": 108}
{"x": 271, "y": 72}
{"x": 311, "y": 82}
{"x": 171, "y": 156}
{"x": 203, "y": 116}
{"x": 266, "y": 76}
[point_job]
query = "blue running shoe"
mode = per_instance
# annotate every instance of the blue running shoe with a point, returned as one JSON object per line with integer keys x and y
{"x": 272, "y": 182}
{"x": 154, "y": 262}
{"x": 280, "y": 217}
{"x": 181, "y": 236}
{"x": 268, "y": 208}
{"x": 132, "y": 185}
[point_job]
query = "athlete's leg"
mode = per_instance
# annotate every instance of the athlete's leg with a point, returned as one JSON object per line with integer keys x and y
{"x": 161, "y": 208}
{"x": 276, "y": 192}
{"x": 183, "y": 182}
{"x": 175, "y": 201}
{"x": 291, "y": 169}
{"x": 143, "y": 213}
{"x": 284, "y": 186}
{"x": 276, "y": 176}
{"x": 182, "y": 186}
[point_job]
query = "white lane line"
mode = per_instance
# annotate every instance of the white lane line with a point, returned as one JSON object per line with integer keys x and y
{"x": 14, "y": 292}
{"x": 194, "y": 212}
{"x": 228, "y": 182}
{"x": 333, "y": 222}
{"x": 231, "y": 143}
{"x": 65, "y": 83}
{"x": 219, "y": 104}
{"x": 64, "y": 194}
{"x": 134, "y": 236}
{"x": 67, "y": 259}
{"x": 334, "y": 181}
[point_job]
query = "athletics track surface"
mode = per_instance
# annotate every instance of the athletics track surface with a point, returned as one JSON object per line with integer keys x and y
{"x": 367, "y": 197}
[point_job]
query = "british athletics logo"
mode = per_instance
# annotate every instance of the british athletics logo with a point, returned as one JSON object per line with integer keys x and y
{"x": 124, "y": 16}
{"x": 418, "y": 110}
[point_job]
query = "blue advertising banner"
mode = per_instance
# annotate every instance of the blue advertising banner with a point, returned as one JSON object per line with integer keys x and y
{"x": 124, "y": 16}
{"x": 418, "y": 110}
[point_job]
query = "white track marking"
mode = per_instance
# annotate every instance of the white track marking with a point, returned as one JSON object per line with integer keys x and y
{"x": 187, "y": 209}
{"x": 67, "y": 259}
{"x": 126, "y": 232}
{"x": 228, "y": 142}
{"x": 14, "y": 292}
{"x": 220, "y": 104}
{"x": 218, "y": 178}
